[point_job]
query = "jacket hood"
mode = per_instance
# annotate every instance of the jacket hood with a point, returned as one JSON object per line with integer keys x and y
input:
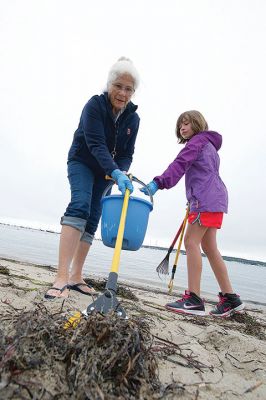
{"x": 214, "y": 137}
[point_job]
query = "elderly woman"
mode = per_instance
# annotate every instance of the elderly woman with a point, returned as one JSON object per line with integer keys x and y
{"x": 102, "y": 145}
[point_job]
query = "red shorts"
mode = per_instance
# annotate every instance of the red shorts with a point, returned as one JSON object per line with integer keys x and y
{"x": 208, "y": 219}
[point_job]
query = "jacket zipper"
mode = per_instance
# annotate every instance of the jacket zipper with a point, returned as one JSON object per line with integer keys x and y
{"x": 113, "y": 152}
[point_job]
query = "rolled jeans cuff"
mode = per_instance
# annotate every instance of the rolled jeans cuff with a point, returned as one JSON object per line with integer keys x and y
{"x": 87, "y": 237}
{"x": 74, "y": 222}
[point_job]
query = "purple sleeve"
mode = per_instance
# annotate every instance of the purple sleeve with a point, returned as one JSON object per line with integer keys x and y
{"x": 181, "y": 163}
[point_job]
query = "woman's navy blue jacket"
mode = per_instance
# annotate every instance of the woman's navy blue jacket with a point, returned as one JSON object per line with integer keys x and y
{"x": 98, "y": 136}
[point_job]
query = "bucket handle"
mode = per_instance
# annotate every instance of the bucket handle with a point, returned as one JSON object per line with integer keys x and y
{"x": 134, "y": 179}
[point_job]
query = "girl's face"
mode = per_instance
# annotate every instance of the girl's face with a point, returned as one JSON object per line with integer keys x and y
{"x": 186, "y": 129}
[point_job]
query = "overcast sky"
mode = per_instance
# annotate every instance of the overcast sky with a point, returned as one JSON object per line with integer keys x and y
{"x": 205, "y": 55}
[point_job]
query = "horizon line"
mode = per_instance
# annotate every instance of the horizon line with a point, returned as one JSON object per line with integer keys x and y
{"x": 227, "y": 258}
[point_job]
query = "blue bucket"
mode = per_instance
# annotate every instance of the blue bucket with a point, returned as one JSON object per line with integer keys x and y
{"x": 136, "y": 221}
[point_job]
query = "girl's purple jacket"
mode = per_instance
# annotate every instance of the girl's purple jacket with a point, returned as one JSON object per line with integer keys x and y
{"x": 199, "y": 162}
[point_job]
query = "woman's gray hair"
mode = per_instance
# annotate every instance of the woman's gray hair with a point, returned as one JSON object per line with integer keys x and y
{"x": 123, "y": 66}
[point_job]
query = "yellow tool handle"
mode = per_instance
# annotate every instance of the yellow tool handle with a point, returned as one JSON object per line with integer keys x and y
{"x": 120, "y": 233}
{"x": 181, "y": 237}
{"x": 171, "y": 283}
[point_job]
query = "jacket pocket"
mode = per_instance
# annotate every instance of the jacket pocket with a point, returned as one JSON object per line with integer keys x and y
{"x": 193, "y": 201}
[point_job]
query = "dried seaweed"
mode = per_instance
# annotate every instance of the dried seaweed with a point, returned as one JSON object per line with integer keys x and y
{"x": 99, "y": 285}
{"x": 4, "y": 270}
{"x": 103, "y": 358}
{"x": 250, "y": 325}
{"x": 246, "y": 323}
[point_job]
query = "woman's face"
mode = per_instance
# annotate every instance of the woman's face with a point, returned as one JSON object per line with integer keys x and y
{"x": 120, "y": 92}
{"x": 186, "y": 129}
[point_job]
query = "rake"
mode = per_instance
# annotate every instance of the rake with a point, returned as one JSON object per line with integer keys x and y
{"x": 163, "y": 267}
{"x": 183, "y": 226}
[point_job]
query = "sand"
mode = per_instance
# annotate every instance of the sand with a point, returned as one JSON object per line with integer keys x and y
{"x": 202, "y": 357}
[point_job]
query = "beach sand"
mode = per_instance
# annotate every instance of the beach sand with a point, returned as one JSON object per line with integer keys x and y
{"x": 206, "y": 358}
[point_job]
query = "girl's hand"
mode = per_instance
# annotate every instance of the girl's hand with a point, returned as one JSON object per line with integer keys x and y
{"x": 150, "y": 189}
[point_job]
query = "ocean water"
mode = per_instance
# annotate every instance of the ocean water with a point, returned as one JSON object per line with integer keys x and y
{"x": 138, "y": 267}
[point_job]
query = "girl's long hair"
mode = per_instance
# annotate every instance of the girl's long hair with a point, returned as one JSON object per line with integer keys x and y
{"x": 198, "y": 123}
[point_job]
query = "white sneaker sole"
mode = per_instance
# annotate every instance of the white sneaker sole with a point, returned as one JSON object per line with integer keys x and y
{"x": 238, "y": 310}
{"x": 187, "y": 311}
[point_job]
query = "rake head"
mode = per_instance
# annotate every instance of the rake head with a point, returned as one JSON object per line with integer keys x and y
{"x": 163, "y": 267}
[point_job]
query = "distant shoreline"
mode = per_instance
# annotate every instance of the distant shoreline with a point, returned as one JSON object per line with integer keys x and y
{"x": 226, "y": 258}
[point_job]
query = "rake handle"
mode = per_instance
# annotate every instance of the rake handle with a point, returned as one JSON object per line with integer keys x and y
{"x": 171, "y": 283}
{"x": 175, "y": 239}
{"x": 181, "y": 239}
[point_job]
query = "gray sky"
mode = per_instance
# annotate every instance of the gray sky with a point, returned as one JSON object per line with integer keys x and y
{"x": 205, "y": 55}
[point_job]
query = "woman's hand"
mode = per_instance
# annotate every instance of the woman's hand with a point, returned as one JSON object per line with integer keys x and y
{"x": 151, "y": 188}
{"x": 122, "y": 181}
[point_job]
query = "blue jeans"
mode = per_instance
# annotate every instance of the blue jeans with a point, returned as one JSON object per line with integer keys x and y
{"x": 84, "y": 210}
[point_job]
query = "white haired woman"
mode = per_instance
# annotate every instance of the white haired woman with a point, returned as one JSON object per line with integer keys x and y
{"x": 102, "y": 145}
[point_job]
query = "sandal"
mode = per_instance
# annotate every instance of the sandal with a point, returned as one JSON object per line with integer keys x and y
{"x": 77, "y": 287}
{"x": 51, "y": 297}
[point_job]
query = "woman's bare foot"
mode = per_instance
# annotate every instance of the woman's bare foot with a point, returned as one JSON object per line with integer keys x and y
{"x": 58, "y": 290}
{"x": 81, "y": 286}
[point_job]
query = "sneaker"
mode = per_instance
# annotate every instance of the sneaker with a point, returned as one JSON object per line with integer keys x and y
{"x": 228, "y": 304}
{"x": 189, "y": 304}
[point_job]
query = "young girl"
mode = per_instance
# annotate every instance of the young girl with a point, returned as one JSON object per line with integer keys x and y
{"x": 208, "y": 200}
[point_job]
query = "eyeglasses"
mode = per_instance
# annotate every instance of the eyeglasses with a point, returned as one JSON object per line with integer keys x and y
{"x": 120, "y": 88}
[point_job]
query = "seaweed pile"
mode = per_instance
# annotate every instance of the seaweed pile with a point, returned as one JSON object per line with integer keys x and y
{"x": 103, "y": 358}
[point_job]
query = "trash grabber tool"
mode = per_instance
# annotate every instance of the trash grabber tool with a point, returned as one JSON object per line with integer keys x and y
{"x": 171, "y": 282}
{"x": 119, "y": 229}
{"x": 108, "y": 301}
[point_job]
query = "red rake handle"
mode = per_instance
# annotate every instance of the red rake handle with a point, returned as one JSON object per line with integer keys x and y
{"x": 175, "y": 238}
